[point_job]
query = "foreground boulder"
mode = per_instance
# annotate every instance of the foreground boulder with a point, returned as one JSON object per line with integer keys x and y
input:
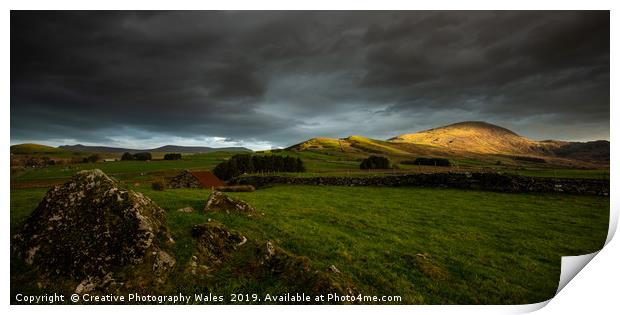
{"x": 220, "y": 202}
{"x": 96, "y": 234}
{"x": 215, "y": 243}
{"x": 219, "y": 247}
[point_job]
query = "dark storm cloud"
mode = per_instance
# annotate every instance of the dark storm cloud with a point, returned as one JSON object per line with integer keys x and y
{"x": 279, "y": 77}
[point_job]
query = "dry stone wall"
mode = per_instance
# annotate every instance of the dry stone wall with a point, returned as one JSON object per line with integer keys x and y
{"x": 483, "y": 181}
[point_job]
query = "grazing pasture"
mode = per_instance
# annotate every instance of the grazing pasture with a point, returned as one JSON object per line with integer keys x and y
{"x": 426, "y": 245}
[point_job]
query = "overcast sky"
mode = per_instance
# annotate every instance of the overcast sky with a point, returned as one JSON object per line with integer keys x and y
{"x": 271, "y": 79}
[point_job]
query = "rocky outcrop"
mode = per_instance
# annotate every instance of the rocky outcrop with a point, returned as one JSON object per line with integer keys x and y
{"x": 215, "y": 243}
{"x": 483, "y": 181}
{"x": 91, "y": 231}
{"x": 220, "y": 202}
{"x": 218, "y": 246}
{"x": 184, "y": 180}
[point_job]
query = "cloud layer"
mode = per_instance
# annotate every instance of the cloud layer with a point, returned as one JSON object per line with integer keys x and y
{"x": 265, "y": 79}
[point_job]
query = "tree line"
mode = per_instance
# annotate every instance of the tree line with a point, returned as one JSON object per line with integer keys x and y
{"x": 141, "y": 156}
{"x": 245, "y": 163}
{"x": 172, "y": 156}
{"x": 380, "y": 162}
{"x": 375, "y": 162}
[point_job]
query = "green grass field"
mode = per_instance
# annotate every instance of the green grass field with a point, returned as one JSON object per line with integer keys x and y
{"x": 324, "y": 163}
{"x": 426, "y": 245}
{"x": 564, "y": 173}
{"x": 124, "y": 170}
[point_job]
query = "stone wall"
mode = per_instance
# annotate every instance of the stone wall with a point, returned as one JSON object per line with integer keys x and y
{"x": 184, "y": 180}
{"x": 482, "y": 181}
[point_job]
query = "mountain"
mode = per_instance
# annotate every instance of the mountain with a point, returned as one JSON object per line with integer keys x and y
{"x": 485, "y": 138}
{"x": 478, "y": 137}
{"x": 473, "y": 139}
{"x": 587, "y": 151}
{"x": 465, "y": 141}
{"x": 166, "y": 148}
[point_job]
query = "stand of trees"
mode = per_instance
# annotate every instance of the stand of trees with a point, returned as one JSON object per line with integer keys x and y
{"x": 246, "y": 163}
{"x": 375, "y": 162}
{"x": 127, "y": 157}
{"x": 529, "y": 159}
{"x": 172, "y": 156}
{"x": 141, "y": 156}
{"x": 91, "y": 158}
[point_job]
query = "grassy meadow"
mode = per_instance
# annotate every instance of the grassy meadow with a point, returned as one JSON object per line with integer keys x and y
{"x": 426, "y": 245}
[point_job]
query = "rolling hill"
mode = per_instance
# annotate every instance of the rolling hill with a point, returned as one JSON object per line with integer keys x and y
{"x": 470, "y": 139}
{"x": 485, "y": 138}
{"x": 475, "y": 136}
{"x": 465, "y": 142}
{"x": 166, "y": 148}
{"x": 33, "y": 148}
{"x": 361, "y": 146}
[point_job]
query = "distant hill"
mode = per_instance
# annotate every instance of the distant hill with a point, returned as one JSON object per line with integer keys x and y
{"x": 591, "y": 150}
{"x": 188, "y": 149}
{"x": 482, "y": 137}
{"x": 166, "y": 148}
{"x": 359, "y": 146}
{"x": 464, "y": 139}
{"x": 475, "y": 136}
{"x": 467, "y": 141}
{"x": 33, "y": 148}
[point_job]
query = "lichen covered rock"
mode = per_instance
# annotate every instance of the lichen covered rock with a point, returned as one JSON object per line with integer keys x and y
{"x": 220, "y": 202}
{"x": 92, "y": 231}
{"x": 215, "y": 242}
{"x": 219, "y": 247}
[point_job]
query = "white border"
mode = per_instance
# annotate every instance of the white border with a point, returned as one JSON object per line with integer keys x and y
{"x": 594, "y": 288}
